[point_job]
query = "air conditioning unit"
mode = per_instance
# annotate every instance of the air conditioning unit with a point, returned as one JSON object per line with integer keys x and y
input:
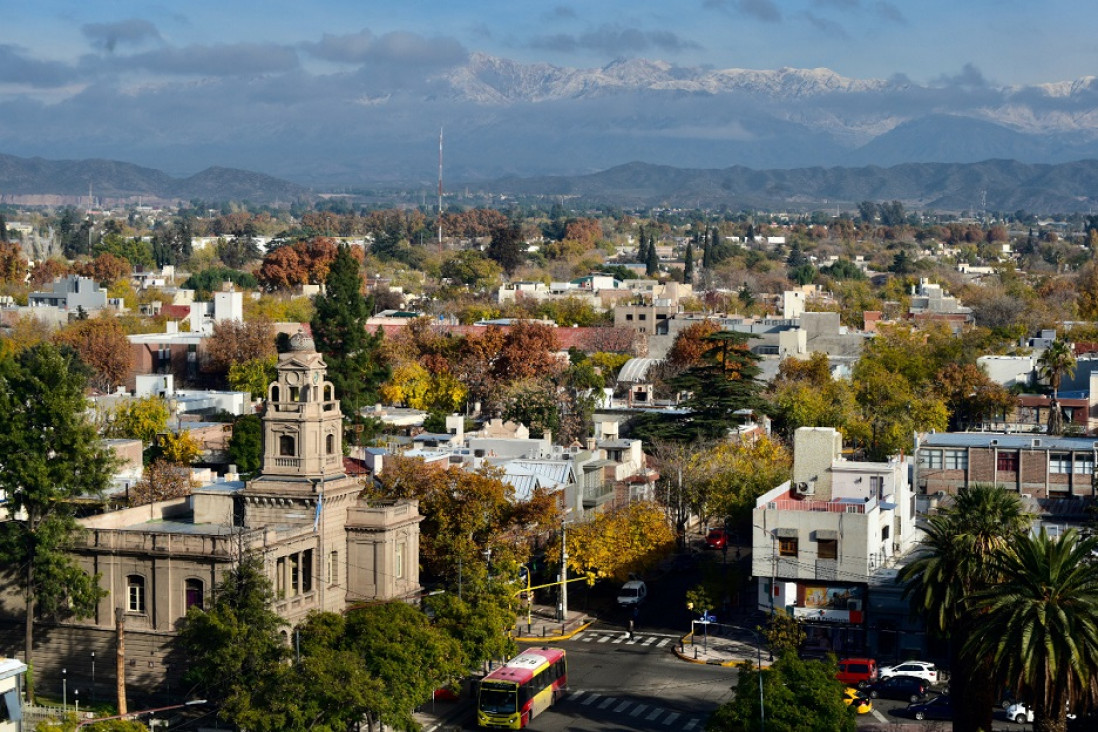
{"x": 1036, "y": 442}
{"x": 804, "y": 488}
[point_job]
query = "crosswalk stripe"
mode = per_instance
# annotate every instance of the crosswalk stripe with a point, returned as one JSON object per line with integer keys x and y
{"x": 649, "y": 639}
{"x": 638, "y": 711}
{"x": 633, "y": 641}
{"x": 591, "y": 699}
{"x": 604, "y": 639}
{"x": 671, "y": 718}
{"x": 587, "y": 637}
{"x": 619, "y": 639}
{"x": 689, "y": 725}
{"x": 655, "y": 713}
{"x": 623, "y": 706}
{"x": 607, "y": 702}
{"x": 663, "y": 643}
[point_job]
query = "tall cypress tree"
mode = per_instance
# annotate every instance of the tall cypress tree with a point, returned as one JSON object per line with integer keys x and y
{"x": 353, "y": 356}
{"x": 688, "y": 264}
{"x": 651, "y": 261}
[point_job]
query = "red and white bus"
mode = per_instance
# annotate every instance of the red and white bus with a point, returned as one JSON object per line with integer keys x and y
{"x": 522, "y": 688}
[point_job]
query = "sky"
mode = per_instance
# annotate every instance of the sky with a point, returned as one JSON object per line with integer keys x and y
{"x": 109, "y": 69}
{"x": 51, "y": 48}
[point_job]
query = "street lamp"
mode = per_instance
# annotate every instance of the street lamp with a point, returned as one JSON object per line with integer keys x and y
{"x": 759, "y": 657}
{"x": 93, "y": 677}
{"x": 65, "y": 689}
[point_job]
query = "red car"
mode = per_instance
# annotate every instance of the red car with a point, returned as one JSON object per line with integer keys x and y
{"x": 716, "y": 539}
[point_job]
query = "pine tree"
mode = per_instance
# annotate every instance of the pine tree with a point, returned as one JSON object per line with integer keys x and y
{"x": 688, "y": 264}
{"x": 642, "y": 247}
{"x": 353, "y": 356}
{"x": 51, "y": 456}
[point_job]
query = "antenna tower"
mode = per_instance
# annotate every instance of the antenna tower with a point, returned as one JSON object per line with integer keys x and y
{"x": 440, "y": 191}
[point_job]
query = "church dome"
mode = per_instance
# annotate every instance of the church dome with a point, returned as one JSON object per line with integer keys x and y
{"x": 300, "y": 341}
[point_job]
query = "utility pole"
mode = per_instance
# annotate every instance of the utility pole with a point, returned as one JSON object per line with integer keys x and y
{"x": 120, "y": 658}
{"x": 563, "y": 572}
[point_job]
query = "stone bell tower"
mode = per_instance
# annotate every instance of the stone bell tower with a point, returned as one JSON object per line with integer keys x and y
{"x": 302, "y": 427}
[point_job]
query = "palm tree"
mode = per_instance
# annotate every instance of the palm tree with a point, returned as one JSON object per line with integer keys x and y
{"x": 1040, "y": 626}
{"x": 1057, "y": 361}
{"x": 955, "y": 563}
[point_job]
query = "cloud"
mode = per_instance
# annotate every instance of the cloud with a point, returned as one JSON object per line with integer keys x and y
{"x": 238, "y": 59}
{"x": 890, "y": 12}
{"x": 398, "y": 47}
{"x": 825, "y": 25}
{"x": 615, "y": 40}
{"x": 839, "y": 4}
{"x": 109, "y": 36}
{"x": 970, "y": 77}
{"x": 17, "y": 68}
{"x": 561, "y": 12}
{"x": 764, "y": 10}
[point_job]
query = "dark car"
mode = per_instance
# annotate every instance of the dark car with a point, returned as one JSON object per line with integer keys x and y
{"x": 906, "y": 688}
{"x": 940, "y": 707}
{"x": 716, "y": 539}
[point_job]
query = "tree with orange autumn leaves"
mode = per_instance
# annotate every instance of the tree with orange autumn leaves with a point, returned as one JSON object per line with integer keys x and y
{"x": 102, "y": 344}
{"x": 303, "y": 262}
{"x": 468, "y": 513}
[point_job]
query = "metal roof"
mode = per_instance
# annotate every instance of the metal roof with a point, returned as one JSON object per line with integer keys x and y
{"x": 1011, "y": 441}
{"x": 635, "y": 369}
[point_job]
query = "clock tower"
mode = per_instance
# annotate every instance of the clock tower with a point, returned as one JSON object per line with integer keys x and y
{"x": 303, "y": 424}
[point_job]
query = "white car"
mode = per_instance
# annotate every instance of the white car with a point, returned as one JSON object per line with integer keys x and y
{"x": 1019, "y": 713}
{"x": 632, "y": 593}
{"x": 924, "y": 670}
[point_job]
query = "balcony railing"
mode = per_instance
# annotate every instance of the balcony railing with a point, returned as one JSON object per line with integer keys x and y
{"x": 821, "y": 506}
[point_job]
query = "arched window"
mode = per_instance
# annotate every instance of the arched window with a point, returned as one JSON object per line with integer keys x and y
{"x": 192, "y": 593}
{"x": 135, "y": 589}
{"x": 286, "y": 445}
{"x": 328, "y": 393}
{"x": 330, "y": 443}
{"x": 276, "y": 393}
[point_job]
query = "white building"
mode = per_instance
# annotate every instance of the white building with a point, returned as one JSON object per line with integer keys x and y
{"x": 817, "y": 538}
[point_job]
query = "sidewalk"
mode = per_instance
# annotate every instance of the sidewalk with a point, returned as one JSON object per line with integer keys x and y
{"x": 544, "y": 627}
{"x": 732, "y": 649}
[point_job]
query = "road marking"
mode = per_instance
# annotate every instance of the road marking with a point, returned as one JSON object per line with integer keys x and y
{"x": 590, "y": 699}
{"x": 663, "y": 643}
{"x": 639, "y": 710}
{"x": 649, "y": 639}
{"x": 655, "y": 713}
{"x": 620, "y": 638}
{"x": 671, "y": 718}
{"x": 880, "y": 717}
{"x": 587, "y": 637}
{"x": 607, "y": 702}
{"x": 689, "y": 725}
{"x": 633, "y": 641}
{"x": 604, "y": 639}
{"x": 623, "y": 706}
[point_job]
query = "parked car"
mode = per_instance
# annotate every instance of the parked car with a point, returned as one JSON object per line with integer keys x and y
{"x": 1023, "y": 714}
{"x": 632, "y": 593}
{"x": 907, "y": 688}
{"x": 938, "y": 707}
{"x": 857, "y": 671}
{"x": 919, "y": 669}
{"x": 716, "y": 539}
{"x": 857, "y": 700}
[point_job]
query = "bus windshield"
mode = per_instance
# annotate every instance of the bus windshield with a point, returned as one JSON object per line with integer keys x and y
{"x": 498, "y": 699}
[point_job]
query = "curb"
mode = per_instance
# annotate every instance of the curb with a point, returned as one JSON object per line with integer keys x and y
{"x": 689, "y": 637}
{"x": 553, "y": 638}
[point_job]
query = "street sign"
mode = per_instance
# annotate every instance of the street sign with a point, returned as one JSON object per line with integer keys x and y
{"x": 708, "y": 618}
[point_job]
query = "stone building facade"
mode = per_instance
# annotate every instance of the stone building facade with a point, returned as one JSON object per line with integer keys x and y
{"x": 324, "y": 547}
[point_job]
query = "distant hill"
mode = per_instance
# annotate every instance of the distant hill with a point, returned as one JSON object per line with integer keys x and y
{"x": 111, "y": 181}
{"x": 995, "y": 185}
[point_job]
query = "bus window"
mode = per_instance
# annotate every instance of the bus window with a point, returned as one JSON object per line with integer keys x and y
{"x": 497, "y": 699}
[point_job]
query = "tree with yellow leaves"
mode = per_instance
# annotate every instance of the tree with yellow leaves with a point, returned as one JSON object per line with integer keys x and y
{"x": 414, "y": 386}
{"x": 140, "y": 419}
{"x": 725, "y": 479}
{"x": 616, "y": 544}
{"x": 179, "y": 447}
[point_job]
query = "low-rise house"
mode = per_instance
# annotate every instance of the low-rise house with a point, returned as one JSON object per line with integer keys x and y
{"x": 818, "y": 538}
{"x": 71, "y": 293}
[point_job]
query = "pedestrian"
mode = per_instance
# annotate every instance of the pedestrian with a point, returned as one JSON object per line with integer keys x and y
{"x": 630, "y": 628}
